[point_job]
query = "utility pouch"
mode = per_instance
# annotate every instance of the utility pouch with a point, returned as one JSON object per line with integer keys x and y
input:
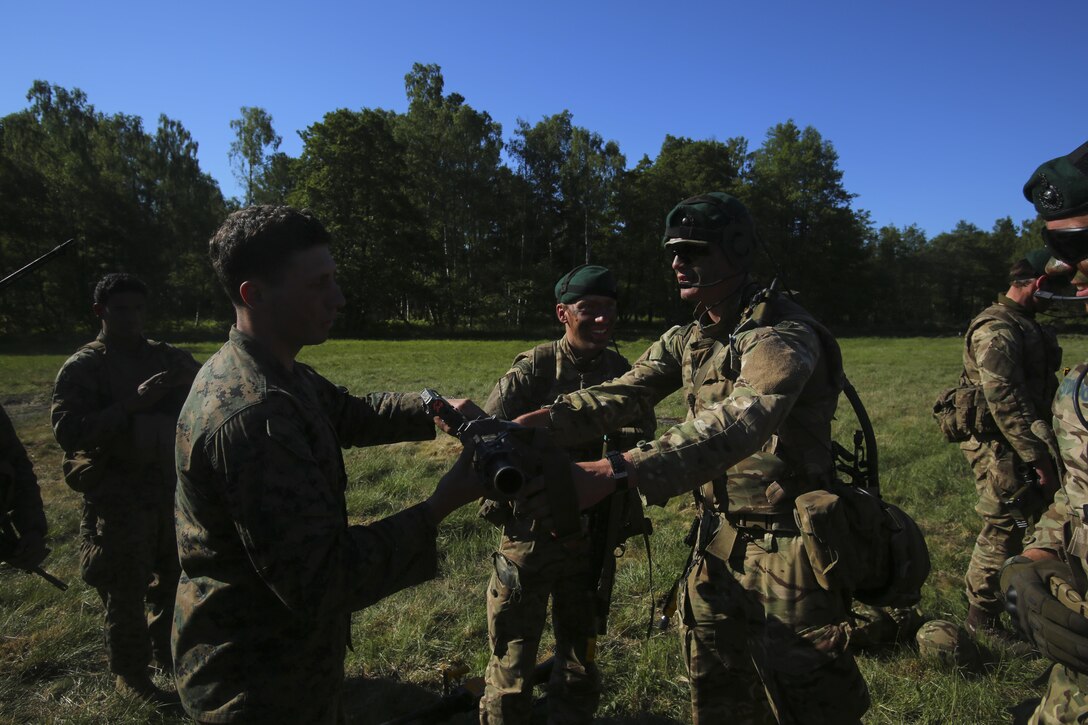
{"x": 825, "y": 533}
{"x": 961, "y": 412}
{"x": 83, "y": 470}
{"x": 508, "y": 574}
{"x": 723, "y": 541}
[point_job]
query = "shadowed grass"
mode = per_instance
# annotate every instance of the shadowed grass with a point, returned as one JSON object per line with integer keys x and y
{"x": 53, "y": 667}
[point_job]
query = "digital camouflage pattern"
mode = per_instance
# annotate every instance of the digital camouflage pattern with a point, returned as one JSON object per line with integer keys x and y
{"x": 271, "y": 571}
{"x": 1063, "y": 530}
{"x": 1014, "y": 359}
{"x": 20, "y": 498}
{"x": 756, "y": 623}
{"x": 531, "y": 569}
{"x": 123, "y": 464}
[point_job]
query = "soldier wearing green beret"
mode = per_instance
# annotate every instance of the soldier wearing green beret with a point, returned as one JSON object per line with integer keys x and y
{"x": 530, "y": 568}
{"x": 1009, "y": 366}
{"x": 763, "y": 639}
{"x": 1045, "y": 587}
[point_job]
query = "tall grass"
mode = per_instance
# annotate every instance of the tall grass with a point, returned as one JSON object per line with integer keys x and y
{"x": 53, "y": 666}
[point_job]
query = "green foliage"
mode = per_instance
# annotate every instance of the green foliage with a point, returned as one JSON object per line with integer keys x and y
{"x": 248, "y": 155}
{"x": 440, "y": 223}
{"x": 53, "y": 667}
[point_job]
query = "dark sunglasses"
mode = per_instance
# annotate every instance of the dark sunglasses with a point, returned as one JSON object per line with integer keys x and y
{"x": 686, "y": 252}
{"x": 1068, "y": 245}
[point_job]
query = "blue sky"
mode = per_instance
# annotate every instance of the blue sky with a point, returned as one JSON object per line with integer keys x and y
{"x": 939, "y": 110}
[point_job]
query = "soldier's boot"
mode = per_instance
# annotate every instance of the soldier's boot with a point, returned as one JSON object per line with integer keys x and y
{"x": 979, "y": 622}
{"x": 140, "y": 685}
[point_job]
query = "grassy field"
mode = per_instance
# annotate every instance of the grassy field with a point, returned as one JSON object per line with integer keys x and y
{"x": 53, "y": 667}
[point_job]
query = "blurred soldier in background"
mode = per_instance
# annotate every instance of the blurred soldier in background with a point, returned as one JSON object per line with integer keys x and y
{"x": 22, "y": 520}
{"x": 530, "y": 567}
{"x": 115, "y": 410}
{"x": 1046, "y": 586}
{"x": 1009, "y": 366}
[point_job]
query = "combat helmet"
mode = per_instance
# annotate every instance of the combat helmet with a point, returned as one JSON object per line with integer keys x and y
{"x": 714, "y": 218}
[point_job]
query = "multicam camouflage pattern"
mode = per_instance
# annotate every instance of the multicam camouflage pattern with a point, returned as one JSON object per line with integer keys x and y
{"x": 126, "y": 533}
{"x": 531, "y": 568}
{"x": 768, "y": 388}
{"x": 1063, "y": 529}
{"x": 20, "y": 498}
{"x": 763, "y": 640}
{"x": 1065, "y": 700}
{"x": 755, "y": 618}
{"x": 271, "y": 571}
{"x": 949, "y": 644}
{"x": 1014, "y": 359}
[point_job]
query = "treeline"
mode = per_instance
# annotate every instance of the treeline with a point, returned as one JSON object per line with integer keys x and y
{"x": 441, "y": 223}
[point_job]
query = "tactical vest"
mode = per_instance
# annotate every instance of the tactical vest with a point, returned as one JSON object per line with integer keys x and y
{"x": 1042, "y": 354}
{"x": 766, "y": 485}
{"x": 548, "y": 385}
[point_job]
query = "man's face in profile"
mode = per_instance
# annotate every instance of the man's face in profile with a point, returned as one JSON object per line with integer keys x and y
{"x": 302, "y": 304}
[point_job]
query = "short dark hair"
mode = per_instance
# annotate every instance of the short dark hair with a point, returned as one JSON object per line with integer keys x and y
{"x": 258, "y": 241}
{"x": 1022, "y": 273}
{"x": 116, "y": 283}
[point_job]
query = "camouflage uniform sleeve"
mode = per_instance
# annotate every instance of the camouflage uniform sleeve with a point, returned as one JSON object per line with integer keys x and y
{"x": 999, "y": 353}
{"x": 80, "y": 421}
{"x": 775, "y": 364}
{"x": 19, "y": 492}
{"x": 592, "y": 412}
{"x": 1049, "y": 531}
{"x": 293, "y": 527}
{"x": 375, "y": 418}
{"x": 513, "y": 394}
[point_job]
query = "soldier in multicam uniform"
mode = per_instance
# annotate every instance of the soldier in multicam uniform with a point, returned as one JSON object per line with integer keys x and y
{"x": 271, "y": 570}
{"x": 763, "y": 640}
{"x": 1010, "y": 360}
{"x": 530, "y": 567}
{"x": 115, "y": 408}
{"x": 21, "y": 513}
{"x": 1055, "y": 558}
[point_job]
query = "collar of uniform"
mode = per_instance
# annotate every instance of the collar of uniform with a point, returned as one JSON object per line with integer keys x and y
{"x": 138, "y": 350}
{"x": 1014, "y": 305}
{"x": 266, "y": 361}
{"x": 582, "y": 362}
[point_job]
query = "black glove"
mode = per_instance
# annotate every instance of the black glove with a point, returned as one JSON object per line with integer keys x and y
{"x": 1059, "y": 633}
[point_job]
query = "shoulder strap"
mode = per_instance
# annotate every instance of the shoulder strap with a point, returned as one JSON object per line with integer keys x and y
{"x": 544, "y": 369}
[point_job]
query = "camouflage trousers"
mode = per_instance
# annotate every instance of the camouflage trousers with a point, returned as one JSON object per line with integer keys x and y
{"x": 1065, "y": 700}
{"x": 994, "y": 465}
{"x": 525, "y": 576}
{"x": 763, "y": 642}
{"x": 128, "y": 553}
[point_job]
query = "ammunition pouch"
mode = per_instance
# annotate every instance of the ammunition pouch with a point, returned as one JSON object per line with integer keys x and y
{"x": 962, "y": 412}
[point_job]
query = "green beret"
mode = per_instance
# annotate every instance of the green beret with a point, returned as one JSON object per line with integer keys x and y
{"x": 587, "y": 279}
{"x": 1038, "y": 259}
{"x": 714, "y": 218}
{"x": 1059, "y": 188}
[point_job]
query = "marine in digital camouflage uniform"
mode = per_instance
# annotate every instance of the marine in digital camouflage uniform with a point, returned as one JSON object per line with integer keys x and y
{"x": 531, "y": 567}
{"x": 21, "y": 513}
{"x": 271, "y": 570}
{"x": 763, "y": 641}
{"x": 1013, "y": 359}
{"x": 1059, "y": 191}
{"x": 114, "y": 411}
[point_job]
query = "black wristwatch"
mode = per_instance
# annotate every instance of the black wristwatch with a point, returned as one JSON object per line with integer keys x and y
{"x": 619, "y": 469}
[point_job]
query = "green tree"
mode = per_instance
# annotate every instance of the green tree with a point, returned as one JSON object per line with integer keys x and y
{"x": 249, "y": 153}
